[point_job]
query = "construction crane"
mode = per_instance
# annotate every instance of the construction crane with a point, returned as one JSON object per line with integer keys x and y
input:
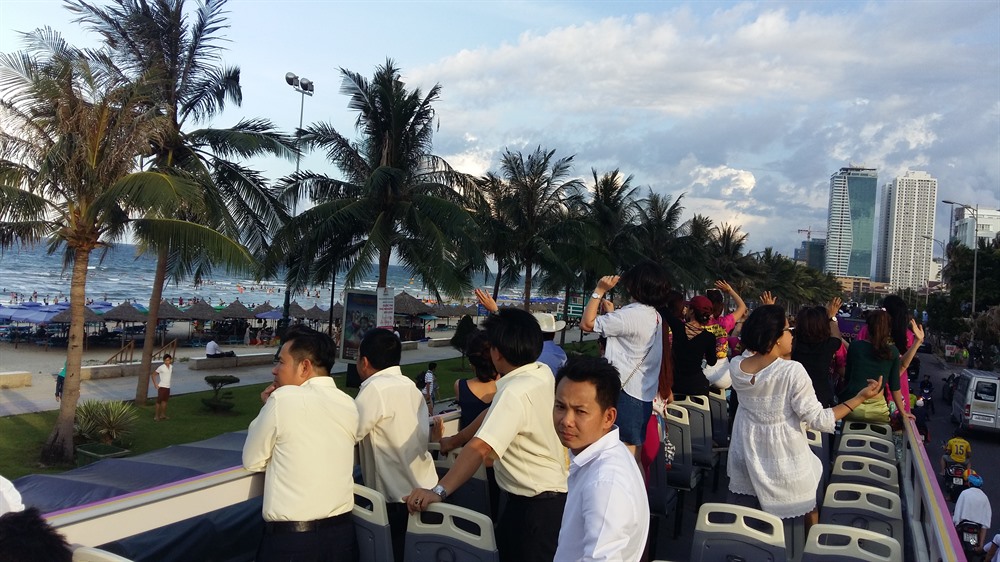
{"x": 808, "y": 231}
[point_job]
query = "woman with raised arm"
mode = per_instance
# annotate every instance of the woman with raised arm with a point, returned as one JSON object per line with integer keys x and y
{"x": 721, "y": 325}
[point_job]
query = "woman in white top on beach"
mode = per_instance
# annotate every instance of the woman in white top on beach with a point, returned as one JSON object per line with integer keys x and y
{"x": 634, "y": 343}
{"x": 769, "y": 457}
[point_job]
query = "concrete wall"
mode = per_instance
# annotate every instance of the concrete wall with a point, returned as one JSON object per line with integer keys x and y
{"x": 15, "y": 379}
{"x": 95, "y": 372}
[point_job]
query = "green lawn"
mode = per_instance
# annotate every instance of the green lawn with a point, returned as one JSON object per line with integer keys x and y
{"x": 189, "y": 421}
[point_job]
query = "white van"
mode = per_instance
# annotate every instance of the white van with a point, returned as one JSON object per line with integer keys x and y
{"x": 975, "y": 403}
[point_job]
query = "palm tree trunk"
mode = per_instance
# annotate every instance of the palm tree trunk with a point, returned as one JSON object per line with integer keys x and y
{"x": 58, "y": 447}
{"x": 562, "y": 335}
{"x": 527, "y": 284}
{"x": 496, "y": 282}
{"x": 383, "y": 266}
{"x": 146, "y": 366}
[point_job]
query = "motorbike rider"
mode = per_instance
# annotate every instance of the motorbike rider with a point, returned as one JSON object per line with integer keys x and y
{"x": 957, "y": 450}
{"x": 926, "y": 391}
{"x": 973, "y": 505}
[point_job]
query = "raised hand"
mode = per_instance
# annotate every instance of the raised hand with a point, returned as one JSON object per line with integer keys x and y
{"x": 486, "y": 300}
{"x": 767, "y": 298}
{"x": 607, "y": 283}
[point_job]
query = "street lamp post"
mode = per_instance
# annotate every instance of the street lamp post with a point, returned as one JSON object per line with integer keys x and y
{"x": 975, "y": 261}
{"x": 305, "y": 87}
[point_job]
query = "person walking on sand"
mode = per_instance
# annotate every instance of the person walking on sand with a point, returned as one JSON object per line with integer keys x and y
{"x": 161, "y": 381}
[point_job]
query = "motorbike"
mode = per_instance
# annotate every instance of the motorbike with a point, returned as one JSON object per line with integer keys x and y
{"x": 968, "y": 534}
{"x": 926, "y": 394}
{"x": 954, "y": 480}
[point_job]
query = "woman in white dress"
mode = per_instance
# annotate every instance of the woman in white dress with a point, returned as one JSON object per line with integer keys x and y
{"x": 769, "y": 457}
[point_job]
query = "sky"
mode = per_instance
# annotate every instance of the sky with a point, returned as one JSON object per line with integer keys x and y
{"x": 745, "y": 108}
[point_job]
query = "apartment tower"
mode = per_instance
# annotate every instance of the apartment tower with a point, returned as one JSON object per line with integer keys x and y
{"x": 906, "y": 231}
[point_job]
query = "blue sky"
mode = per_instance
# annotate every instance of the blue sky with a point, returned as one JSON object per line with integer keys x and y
{"x": 747, "y": 108}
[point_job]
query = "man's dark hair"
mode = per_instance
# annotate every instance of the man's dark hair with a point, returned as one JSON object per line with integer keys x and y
{"x": 646, "y": 282}
{"x": 515, "y": 334}
{"x": 306, "y": 343}
{"x": 431, "y": 366}
{"x": 597, "y": 371}
{"x": 167, "y": 356}
{"x": 763, "y": 328}
{"x": 25, "y": 536}
{"x": 382, "y": 348}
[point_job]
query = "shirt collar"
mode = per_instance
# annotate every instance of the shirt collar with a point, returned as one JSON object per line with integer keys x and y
{"x": 394, "y": 370}
{"x": 529, "y": 370}
{"x": 596, "y": 448}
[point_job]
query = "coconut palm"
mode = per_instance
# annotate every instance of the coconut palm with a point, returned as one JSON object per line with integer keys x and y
{"x": 179, "y": 55}
{"x": 615, "y": 211}
{"x": 541, "y": 193}
{"x": 71, "y": 139}
{"x": 493, "y": 228}
{"x": 663, "y": 238}
{"x": 395, "y": 195}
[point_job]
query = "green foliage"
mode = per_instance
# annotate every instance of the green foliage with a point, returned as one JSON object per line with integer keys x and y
{"x": 106, "y": 421}
{"x": 220, "y": 401}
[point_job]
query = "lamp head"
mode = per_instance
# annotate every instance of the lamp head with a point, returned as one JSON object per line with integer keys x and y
{"x": 306, "y": 85}
{"x": 292, "y": 79}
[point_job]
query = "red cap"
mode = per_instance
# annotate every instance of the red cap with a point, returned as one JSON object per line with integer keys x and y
{"x": 701, "y": 304}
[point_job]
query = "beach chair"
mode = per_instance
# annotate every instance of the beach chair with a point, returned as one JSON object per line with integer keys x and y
{"x": 864, "y": 507}
{"x": 863, "y": 445}
{"x": 726, "y": 532}
{"x": 90, "y": 554}
{"x": 836, "y": 543}
{"x": 865, "y": 470}
{"x": 371, "y": 525}
{"x": 449, "y": 532}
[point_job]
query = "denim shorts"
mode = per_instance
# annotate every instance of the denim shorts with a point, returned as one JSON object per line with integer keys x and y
{"x": 633, "y": 415}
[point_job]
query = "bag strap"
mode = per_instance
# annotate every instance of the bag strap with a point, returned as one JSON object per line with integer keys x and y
{"x": 644, "y": 355}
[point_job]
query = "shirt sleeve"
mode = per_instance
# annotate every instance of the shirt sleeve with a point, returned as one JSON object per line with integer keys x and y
{"x": 503, "y": 421}
{"x": 802, "y": 398}
{"x": 840, "y": 357}
{"x": 604, "y": 537}
{"x": 612, "y": 324}
{"x": 728, "y": 322}
{"x": 894, "y": 384}
{"x": 261, "y": 437}
{"x": 370, "y": 411}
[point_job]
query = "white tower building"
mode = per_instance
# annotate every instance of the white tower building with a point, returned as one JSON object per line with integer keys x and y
{"x": 906, "y": 231}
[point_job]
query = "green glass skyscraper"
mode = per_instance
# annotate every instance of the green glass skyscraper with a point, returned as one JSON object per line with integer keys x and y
{"x": 850, "y": 225}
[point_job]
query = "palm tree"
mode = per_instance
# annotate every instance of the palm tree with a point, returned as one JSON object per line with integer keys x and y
{"x": 72, "y": 137}
{"x": 541, "y": 193}
{"x": 397, "y": 197}
{"x": 614, "y": 209}
{"x": 493, "y": 228}
{"x": 664, "y": 239}
{"x": 180, "y": 58}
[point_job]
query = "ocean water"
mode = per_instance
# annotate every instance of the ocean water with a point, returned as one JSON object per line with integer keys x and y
{"x": 123, "y": 275}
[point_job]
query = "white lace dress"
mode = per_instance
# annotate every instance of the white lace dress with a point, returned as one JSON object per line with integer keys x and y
{"x": 769, "y": 456}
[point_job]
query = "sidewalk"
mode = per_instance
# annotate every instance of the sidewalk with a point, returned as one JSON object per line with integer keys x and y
{"x": 40, "y": 396}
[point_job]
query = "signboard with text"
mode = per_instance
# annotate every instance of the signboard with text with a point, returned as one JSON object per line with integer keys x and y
{"x": 386, "y": 308}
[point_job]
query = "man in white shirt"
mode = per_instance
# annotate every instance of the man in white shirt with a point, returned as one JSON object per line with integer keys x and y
{"x": 517, "y": 431}
{"x": 304, "y": 438}
{"x": 973, "y": 505}
{"x": 607, "y": 513}
{"x": 214, "y": 351}
{"x": 161, "y": 382}
{"x": 393, "y": 430}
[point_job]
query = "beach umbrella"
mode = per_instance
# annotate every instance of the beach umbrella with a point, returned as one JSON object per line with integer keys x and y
{"x": 338, "y": 311}
{"x": 317, "y": 313}
{"x": 89, "y": 316}
{"x": 261, "y": 308}
{"x": 295, "y": 310}
{"x": 273, "y": 314}
{"x": 236, "y": 309}
{"x": 125, "y": 312}
{"x": 202, "y": 311}
{"x": 404, "y": 303}
{"x": 171, "y": 312}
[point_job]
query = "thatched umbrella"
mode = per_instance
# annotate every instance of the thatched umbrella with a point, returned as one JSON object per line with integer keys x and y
{"x": 89, "y": 316}
{"x": 295, "y": 310}
{"x": 318, "y": 314}
{"x": 171, "y": 312}
{"x": 125, "y": 312}
{"x": 262, "y": 308}
{"x": 236, "y": 309}
{"x": 338, "y": 311}
{"x": 202, "y": 311}
{"x": 405, "y": 303}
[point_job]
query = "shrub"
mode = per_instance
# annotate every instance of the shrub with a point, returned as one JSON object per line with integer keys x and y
{"x": 220, "y": 401}
{"x": 105, "y": 421}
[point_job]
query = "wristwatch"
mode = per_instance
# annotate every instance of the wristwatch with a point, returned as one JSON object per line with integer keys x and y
{"x": 439, "y": 490}
{"x": 596, "y": 296}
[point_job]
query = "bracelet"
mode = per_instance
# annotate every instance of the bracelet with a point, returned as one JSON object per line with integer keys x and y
{"x": 848, "y": 406}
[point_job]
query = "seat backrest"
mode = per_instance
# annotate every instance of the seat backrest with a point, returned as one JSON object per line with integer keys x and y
{"x": 881, "y": 430}
{"x": 837, "y": 543}
{"x": 450, "y": 532}
{"x": 864, "y": 507}
{"x": 865, "y": 470}
{"x": 725, "y": 532}
{"x": 679, "y": 432}
{"x": 662, "y": 498}
{"x": 474, "y": 494}
{"x": 700, "y": 416}
{"x": 90, "y": 554}
{"x": 371, "y": 525}
{"x": 720, "y": 415}
{"x": 864, "y": 445}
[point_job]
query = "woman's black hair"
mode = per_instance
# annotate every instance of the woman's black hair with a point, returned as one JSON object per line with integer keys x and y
{"x": 763, "y": 328}
{"x": 899, "y": 320}
{"x": 478, "y": 352}
{"x": 812, "y": 325}
{"x": 646, "y": 282}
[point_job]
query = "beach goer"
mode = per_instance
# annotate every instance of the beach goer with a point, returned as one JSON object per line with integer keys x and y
{"x": 819, "y": 351}
{"x": 430, "y": 387}
{"x": 214, "y": 351}
{"x": 635, "y": 344}
{"x": 552, "y": 355}
{"x": 61, "y": 381}
{"x": 692, "y": 344}
{"x": 901, "y": 337}
{"x": 25, "y": 536}
{"x": 393, "y": 430}
{"x": 721, "y": 325}
{"x": 10, "y": 498}
{"x": 875, "y": 356}
{"x": 607, "y": 512}
{"x": 161, "y": 382}
{"x": 246, "y": 336}
{"x": 518, "y": 433}
{"x": 303, "y": 438}
{"x": 769, "y": 457}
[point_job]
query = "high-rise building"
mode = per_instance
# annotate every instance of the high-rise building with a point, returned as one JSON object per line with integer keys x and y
{"x": 987, "y": 227}
{"x": 906, "y": 231}
{"x": 850, "y": 226}
{"x": 812, "y": 253}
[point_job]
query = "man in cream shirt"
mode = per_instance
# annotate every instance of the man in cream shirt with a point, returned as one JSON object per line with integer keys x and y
{"x": 393, "y": 430}
{"x": 304, "y": 438}
{"x": 517, "y": 431}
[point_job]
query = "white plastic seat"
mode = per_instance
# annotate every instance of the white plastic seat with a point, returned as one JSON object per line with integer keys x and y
{"x": 90, "y": 554}
{"x": 662, "y": 498}
{"x": 726, "y": 532}
{"x": 461, "y": 534}
{"x": 864, "y": 507}
{"x": 371, "y": 525}
{"x": 836, "y": 543}
{"x": 865, "y": 470}
{"x": 864, "y": 445}
{"x": 720, "y": 417}
{"x": 881, "y": 430}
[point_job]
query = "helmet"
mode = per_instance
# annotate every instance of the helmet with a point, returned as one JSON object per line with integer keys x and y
{"x": 975, "y": 480}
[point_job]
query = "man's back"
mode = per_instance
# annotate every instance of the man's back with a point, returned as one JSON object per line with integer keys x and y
{"x": 973, "y": 505}
{"x": 958, "y": 448}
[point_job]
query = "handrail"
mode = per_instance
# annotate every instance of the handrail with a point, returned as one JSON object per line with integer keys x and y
{"x": 927, "y": 514}
{"x": 171, "y": 347}
{"x": 124, "y": 355}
